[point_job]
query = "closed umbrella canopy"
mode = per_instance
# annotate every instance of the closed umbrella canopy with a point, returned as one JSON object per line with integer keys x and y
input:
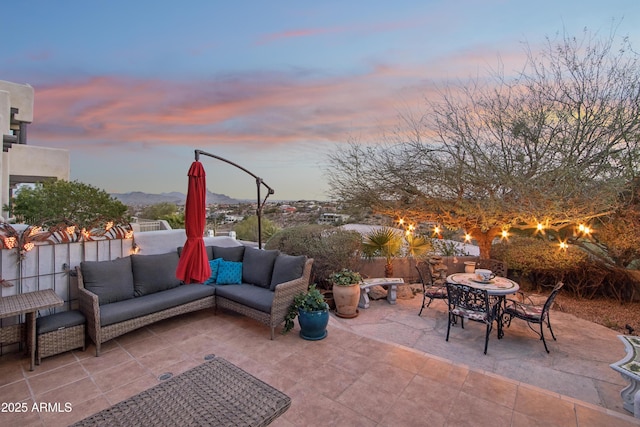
{"x": 194, "y": 263}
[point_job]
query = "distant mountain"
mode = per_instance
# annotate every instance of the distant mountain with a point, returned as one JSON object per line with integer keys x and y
{"x": 138, "y": 198}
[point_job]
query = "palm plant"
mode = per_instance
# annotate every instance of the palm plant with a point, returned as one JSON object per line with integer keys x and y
{"x": 417, "y": 245}
{"x": 383, "y": 242}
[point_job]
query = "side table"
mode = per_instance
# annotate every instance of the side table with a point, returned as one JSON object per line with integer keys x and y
{"x": 28, "y": 304}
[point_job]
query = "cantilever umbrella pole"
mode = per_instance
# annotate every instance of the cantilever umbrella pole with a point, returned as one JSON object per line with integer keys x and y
{"x": 259, "y": 182}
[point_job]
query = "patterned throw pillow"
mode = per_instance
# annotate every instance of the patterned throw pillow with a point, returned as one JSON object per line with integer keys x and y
{"x": 214, "y": 264}
{"x": 229, "y": 273}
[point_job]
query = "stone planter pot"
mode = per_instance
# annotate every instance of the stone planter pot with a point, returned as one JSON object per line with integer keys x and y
{"x": 347, "y": 298}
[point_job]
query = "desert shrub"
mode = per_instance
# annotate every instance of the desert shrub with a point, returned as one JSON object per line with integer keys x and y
{"x": 331, "y": 248}
{"x": 247, "y": 229}
{"x": 538, "y": 263}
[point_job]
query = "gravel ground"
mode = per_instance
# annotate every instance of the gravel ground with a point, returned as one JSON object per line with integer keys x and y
{"x": 606, "y": 312}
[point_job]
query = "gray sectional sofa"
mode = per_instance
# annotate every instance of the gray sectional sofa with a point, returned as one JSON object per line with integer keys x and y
{"x": 124, "y": 294}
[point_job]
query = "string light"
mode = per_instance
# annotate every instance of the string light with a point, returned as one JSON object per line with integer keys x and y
{"x": 563, "y": 246}
{"x": 505, "y": 234}
{"x": 467, "y": 237}
{"x": 540, "y": 226}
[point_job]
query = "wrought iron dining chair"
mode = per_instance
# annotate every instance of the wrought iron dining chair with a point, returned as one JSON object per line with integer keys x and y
{"x": 430, "y": 291}
{"x": 499, "y": 268}
{"x": 470, "y": 303}
{"x": 533, "y": 313}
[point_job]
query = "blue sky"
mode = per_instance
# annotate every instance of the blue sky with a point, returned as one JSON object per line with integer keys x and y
{"x": 132, "y": 88}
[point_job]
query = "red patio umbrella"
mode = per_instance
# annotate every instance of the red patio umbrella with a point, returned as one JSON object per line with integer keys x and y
{"x": 194, "y": 263}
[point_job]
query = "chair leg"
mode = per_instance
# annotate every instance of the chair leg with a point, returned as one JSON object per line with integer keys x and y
{"x": 542, "y": 336}
{"x": 449, "y": 326}
{"x": 424, "y": 298}
{"x": 549, "y": 326}
{"x": 486, "y": 338}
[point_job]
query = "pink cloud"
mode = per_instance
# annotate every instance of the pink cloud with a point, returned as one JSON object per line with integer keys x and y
{"x": 259, "y": 110}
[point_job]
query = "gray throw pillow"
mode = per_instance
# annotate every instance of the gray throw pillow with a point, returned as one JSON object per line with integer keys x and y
{"x": 257, "y": 266}
{"x": 287, "y": 268}
{"x": 234, "y": 253}
{"x": 154, "y": 273}
{"x": 208, "y": 248}
{"x": 112, "y": 280}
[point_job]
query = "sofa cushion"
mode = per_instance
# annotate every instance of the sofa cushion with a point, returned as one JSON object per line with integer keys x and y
{"x": 53, "y": 322}
{"x": 214, "y": 264}
{"x": 234, "y": 253}
{"x": 249, "y": 295}
{"x": 229, "y": 273}
{"x": 111, "y": 281}
{"x": 257, "y": 266}
{"x": 152, "y": 303}
{"x": 286, "y": 268}
{"x": 209, "y": 250}
{"x": 154, "y": 273}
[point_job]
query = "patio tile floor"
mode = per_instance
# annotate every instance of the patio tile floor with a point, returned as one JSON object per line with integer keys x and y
{"x": 351, "y": 378}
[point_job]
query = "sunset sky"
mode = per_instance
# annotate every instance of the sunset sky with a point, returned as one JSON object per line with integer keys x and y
{"x": 132, "y": 88}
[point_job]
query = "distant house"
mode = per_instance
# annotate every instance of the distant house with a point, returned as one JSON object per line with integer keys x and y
{"x": 332, "y": 218}
{"x": 233, "y": 218}
{"x": 288, "y": 209}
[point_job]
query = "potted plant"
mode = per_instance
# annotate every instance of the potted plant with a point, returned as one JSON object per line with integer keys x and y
{"x": 346, "y": 292}
{"x": 312, "y": 312}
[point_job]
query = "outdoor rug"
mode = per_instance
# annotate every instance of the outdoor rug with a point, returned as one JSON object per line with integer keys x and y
{"x": 216, "y": 393}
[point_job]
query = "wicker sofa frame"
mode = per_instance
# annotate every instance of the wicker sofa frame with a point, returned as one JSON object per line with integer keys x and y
{"x": 282, "y": 300}
{"x": 90, "y": 307}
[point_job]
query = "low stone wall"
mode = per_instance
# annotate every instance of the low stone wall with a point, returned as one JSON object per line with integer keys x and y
{"x": 406, "y": 267}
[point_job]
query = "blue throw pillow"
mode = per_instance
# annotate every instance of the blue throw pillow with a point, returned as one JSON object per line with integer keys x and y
{"x": 214, "y": 264}
{"x": 229, "y": 273}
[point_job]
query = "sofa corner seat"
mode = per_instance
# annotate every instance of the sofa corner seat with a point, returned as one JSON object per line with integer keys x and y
{"x": 270, "y": 281}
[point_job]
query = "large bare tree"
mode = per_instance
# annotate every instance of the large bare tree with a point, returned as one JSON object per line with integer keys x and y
{"x": 553, "y": 146}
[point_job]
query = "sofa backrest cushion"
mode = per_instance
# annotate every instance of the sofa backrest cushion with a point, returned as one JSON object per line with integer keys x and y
{"x": 154, "y": 273}
{"x": 209, "y": 250}
{"x": 234, "y": 253}
{"x": 257, "y": 266}
{"x": 229, "y": 273}
{"x": 287, "y": 268}
{"x": 111, "y": 280}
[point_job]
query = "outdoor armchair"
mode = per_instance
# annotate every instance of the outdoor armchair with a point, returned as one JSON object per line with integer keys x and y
{"x": 430, "y": 291}
{"x": 470, "y": 303}
{"x": 533, "y": 313}
{"x": 499, "y": 268}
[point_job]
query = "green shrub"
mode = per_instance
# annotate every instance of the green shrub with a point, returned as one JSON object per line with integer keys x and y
{"x": 247, "y": 229}
{"x": 539, "y": 263}
{"x": 331, "y": 248}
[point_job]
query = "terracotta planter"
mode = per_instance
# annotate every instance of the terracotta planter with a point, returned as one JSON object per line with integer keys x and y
{"x": 328, "y": 298}
{"x": 346, "y": 298}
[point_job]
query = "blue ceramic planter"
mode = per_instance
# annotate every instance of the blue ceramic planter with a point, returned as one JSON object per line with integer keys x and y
{"x": 313, "y": 324}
